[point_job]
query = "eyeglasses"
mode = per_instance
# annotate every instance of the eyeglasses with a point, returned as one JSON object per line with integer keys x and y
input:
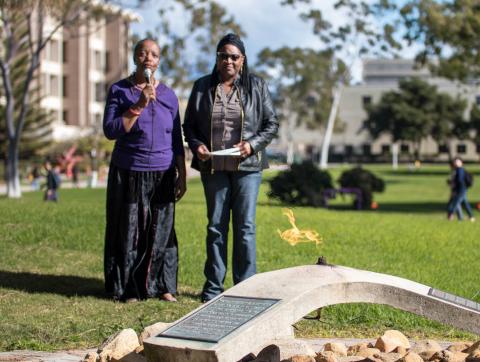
{"x": 225, "y": 56}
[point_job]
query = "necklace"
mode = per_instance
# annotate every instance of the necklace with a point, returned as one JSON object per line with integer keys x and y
{"x": 140, "y": 87}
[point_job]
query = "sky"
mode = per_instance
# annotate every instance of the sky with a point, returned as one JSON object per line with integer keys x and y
{"x": 266, "y": 22}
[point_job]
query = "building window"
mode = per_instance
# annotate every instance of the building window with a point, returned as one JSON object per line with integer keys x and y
{"x": 404, "y": 148}
{"x": 64, "y": 52}
{"x": 53, "y": 50}
{"x": 44, "y": 84}
{"x": 65, "y": 87}
{"x": 385, "y": 149}
{"x": 54, "y": 86}
{"x": 367, "y": 149}
{"x": 477, "y": 100}
{"x": 462, "y": 148}
{"x": 348, "y": 149}
{"x": 442, "y": 148}
{"x": 99, "y": 92}
{"x": 98, "y": 60}
{"x": 478, "y": 148}
{"x": 366, "y": 100}
{"x": 65, "y": 117}
{"x": 107, "y": 61}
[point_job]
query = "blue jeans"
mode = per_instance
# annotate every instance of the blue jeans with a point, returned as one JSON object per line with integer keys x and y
{"x": 455, "y": 204}
{"x": 237, "y": 192}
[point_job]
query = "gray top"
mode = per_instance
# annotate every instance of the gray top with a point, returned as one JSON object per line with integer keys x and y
{"x": 226, "y": 127}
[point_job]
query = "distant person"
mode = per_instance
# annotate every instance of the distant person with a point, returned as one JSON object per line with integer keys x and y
{"x": 35, "y": 178}
{"x": 146, "y": 176}
{"x": 52, "y": 182}
{"x": 75, "y": 172}
{"x": 230, "y": 108}
{"x": 460, "y": 182}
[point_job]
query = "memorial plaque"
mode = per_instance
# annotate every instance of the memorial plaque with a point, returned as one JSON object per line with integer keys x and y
{"x": 455, "y": 299}
{"x": 218, "y": 319}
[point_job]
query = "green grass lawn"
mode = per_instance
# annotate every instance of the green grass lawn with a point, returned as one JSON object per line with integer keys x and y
{"x": 51, "y": 260}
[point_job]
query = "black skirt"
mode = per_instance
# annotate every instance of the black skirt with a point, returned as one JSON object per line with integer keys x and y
{"x": 141, "y": 252}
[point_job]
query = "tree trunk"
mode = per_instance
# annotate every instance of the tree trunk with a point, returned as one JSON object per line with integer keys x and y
{"x": 395, "y": 155}
{"x": 331, "y": 121}
{"x": 13, "y": 175}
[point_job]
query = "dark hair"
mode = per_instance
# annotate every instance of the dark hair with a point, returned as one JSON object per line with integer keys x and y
{"x": 235, "y": 40}
{"x": 140, "y": 43}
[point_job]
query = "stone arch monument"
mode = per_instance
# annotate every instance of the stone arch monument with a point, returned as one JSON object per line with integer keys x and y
{"x": 262, "y": 309}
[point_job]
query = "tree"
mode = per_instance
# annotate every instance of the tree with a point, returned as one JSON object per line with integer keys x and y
{"x": 363, "y": 30}
{"x": 188, "y": 55}
{"x": 447, "y": 32}
{"x": 303, "y": 80}
{"x": 37, "y": 132}
{"x": 23, "y": 33}
{"x": 414, "y": 112}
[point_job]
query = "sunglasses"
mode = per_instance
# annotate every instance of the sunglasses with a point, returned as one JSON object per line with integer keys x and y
{"x": 225, "y": 56}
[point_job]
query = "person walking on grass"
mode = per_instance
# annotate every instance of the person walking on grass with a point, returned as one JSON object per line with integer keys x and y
{"x": 460, "y": 182}
{"x": 52, "y": 182}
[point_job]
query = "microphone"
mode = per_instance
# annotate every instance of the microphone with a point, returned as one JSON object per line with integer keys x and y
{"x": 147, "y": 73}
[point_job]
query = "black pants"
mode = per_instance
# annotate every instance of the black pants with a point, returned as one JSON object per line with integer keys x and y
{"x": 141, "y": 252}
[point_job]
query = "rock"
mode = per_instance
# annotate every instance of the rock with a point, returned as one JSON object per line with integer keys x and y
{"x": 131, "y": 357}
{"x": 400, "y": 350}
{"x": 367, "y": 352}
{"x": 442, "y": 356}
{"x": 350, "y": 359}
{"x": 390, "y": 340}
{"x": 426, "y": 355}
{"x": 459, "y": 347}
{"x": 459, "y": 356}
{"x": 473, "y": 347}
{"x": 338, "y": 348}
{"x": 90, "y": 357}
{"x": 140, "y": 349}
{"x": 153, "y": 330}
{"x": 268, "y": 354}
{"x": 427, "y": 345}
{"x": 286, "y": 348}
{"x": 474, "y": 356}
{"x": 290, "y": 347}
{"x": 371, "y": 359}
{"x": 411, "y": 357}
{"x": 326, "y": 356}
{"x": 300, "y": 358}
{"x": 387, "y": 357}
{"x": 118, "y": 345}
{"x": 354, "y": 349}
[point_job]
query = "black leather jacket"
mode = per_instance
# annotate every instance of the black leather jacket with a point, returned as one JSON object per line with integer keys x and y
{"x": 259, "y": 121}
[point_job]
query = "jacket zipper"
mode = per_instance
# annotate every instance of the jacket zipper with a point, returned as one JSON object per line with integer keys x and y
{"x": 212, "y": 171}
{"x": 241, "y": 118}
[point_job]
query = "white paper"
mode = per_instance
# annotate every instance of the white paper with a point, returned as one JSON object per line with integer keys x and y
{"x": 234, "y": 151}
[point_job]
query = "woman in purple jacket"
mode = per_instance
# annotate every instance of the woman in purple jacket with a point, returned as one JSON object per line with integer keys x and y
{"x": 146, "y": 177}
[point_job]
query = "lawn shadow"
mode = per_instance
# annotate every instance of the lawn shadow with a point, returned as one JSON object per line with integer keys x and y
{"x": 67, "y": 285}
{"x": 384, "y": 207}
{"x": 436, "y": 173}
{"x": 403, "y": 207}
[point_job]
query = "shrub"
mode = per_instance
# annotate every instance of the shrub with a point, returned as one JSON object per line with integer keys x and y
{"x": 366, "y": 181}
{"x": 302, "y": 185}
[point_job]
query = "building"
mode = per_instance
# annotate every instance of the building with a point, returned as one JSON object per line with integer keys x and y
{"x": 352, "y": 144}
{"x": 77, "y": 67}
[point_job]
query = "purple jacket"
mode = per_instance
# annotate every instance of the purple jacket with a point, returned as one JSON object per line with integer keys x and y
{"x": 155, "y": 138}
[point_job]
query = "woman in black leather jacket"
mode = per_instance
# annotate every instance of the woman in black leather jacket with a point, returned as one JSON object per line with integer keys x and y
{"x": 229, "y": 121}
